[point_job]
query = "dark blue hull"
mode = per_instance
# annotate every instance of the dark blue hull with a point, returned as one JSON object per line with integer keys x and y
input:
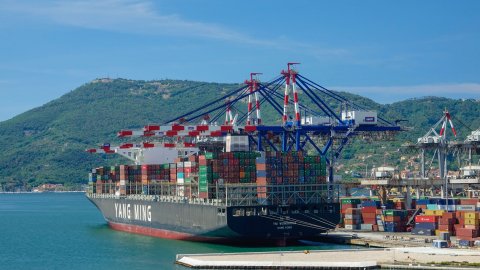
{"x": 206, "y": 222}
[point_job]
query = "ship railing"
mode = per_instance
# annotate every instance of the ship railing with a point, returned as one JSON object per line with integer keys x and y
{"x": 284, "y": 194}
{"x": 247, "y": 194}
{"x": 102, "y": 196}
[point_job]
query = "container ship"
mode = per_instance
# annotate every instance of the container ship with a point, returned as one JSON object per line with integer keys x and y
{"x": 240, "y": 179}
{"x": 238, "y": 196}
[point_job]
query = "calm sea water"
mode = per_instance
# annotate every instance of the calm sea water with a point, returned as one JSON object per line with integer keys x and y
{"x": 65, "y": 231}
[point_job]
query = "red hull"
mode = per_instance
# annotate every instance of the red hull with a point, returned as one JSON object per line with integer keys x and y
{"x": 160, "y": 233}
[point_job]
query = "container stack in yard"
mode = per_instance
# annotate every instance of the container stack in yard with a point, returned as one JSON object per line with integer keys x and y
{"x": 368, "y": 215}
{"x": 439, "y": 217}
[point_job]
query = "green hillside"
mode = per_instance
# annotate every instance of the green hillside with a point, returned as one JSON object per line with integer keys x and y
{"x": 46, "y": 144}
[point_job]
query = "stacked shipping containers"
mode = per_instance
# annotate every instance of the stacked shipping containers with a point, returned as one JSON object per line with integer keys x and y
{"x": 453, "y": 217}
{"x": 395, "y": 220}
{"x": 353, "y": 218}
{"x": 350, "y": 218}
{"x": 369, "y": 215}
{"x": 274, "y": 168}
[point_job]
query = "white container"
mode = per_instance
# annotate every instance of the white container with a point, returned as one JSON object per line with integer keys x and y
{"x": 466, "y": 207}
{"x": 366, "y": 227}
{"x": 351, "y": 227}
{"x": 440, "y": 243}
{"x": 355, "y": 217}
{"x": 236, "y": 143}
{"x": 315, "y": 120}
{"x": 357, "y": 118}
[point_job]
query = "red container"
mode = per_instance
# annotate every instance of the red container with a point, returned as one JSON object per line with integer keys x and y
{"x": 446, "y": 221}
{"x": 369, "y": 220}
{"x": 369, "y": 209}
{"x": 468, "y": 201}
{"x": 368, "y": 215}
{"x": 463, "y": 232}
{"x": 426, "y": 219}
{"x": 449, "y": 215}
{"x": 446, "y": 227}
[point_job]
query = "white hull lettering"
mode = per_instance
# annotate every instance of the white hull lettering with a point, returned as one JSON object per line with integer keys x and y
{"x": 140, "y": 212}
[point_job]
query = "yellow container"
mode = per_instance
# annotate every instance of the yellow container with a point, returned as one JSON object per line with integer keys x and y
{"x": 434, "y": 212}
{"x": 471, "y": 215}
{"x": 429, "y": 212}
{"x": 438, "y": 232}
{"x": 472, "y": 221}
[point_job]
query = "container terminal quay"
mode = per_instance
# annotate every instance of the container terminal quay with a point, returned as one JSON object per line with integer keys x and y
{"x": 222, "y": 173}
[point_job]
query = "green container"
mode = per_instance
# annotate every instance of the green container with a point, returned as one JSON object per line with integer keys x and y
{"x": 210, "y": 155}
{"x": 207, "y": 176}
{"x": 399, "y": 213}
{"x": 204, "y": 169}
{"x": 203, "y": 187}
{"x": 350, "y": 201}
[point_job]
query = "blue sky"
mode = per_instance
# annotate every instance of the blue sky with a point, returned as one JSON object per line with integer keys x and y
{"x": 385, "y": 50}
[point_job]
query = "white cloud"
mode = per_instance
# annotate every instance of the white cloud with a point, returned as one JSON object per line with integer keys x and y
{"x": 142, "y": 17}
{"x": 131, "y": 16}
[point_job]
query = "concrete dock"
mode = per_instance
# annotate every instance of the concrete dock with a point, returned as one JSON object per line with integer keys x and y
{"x": 395, "y": 258}
{"x": 377, "y": 239}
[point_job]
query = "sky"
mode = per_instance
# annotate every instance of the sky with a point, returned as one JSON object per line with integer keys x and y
{"x": 387, "y": 51}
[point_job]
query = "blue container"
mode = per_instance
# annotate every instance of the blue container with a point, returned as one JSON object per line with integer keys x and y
{"x": 434, "y": 200}
{"x": 423, "y": 201}
{"x": 426, "y": 225}
{"x": 370, "y": 203}
{"x": 389, "y": 205}
{"x": 260, "y": 160}
{"x": 390, "y": 226}
{"x": 465, "y": 243}
{"x": 261, "y": 174}
{"x": 444, "y": 202}
{"x": 418, "y": 231}
{"x": 92, "y": 177}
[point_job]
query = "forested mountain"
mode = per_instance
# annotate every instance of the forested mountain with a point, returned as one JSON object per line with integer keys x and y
{"x": 47, "y": 144}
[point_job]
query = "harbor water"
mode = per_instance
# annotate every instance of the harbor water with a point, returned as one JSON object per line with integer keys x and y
{"x": 65, "y": 231}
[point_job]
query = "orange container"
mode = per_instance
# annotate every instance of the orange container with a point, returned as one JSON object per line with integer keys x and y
{"x": 392, "y": 219}
{"x": 353, "y": 211}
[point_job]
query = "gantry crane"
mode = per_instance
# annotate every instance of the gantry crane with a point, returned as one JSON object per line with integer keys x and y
{"x": 320, "y": 129}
